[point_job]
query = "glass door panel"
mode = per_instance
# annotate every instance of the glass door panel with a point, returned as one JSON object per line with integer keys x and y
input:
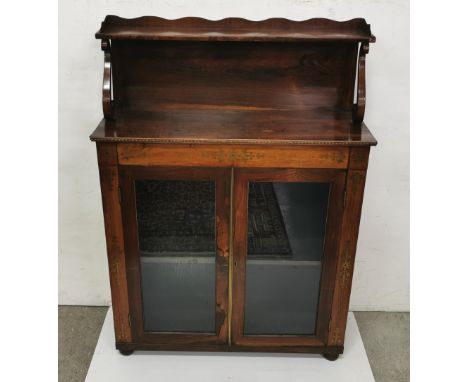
{"x": 285, "y": 247}
{"x": 176, "y": 222}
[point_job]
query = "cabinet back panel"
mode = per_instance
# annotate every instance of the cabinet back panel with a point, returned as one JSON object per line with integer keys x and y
{"x": 156, "y": 75}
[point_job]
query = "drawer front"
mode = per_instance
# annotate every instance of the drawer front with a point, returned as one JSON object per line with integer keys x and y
{"x": 233, "y": 156}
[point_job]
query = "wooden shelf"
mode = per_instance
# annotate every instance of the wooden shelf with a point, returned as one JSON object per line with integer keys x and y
{"x": 213, "y": 126}
{"x": 176, "y": 90}
{"x": 234, "y": 29}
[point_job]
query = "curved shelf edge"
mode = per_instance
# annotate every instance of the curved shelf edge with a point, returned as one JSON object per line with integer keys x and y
{"x": 233, "y": 28}
{"x": 107, "y": 80}
{"x": 359, "y": 107}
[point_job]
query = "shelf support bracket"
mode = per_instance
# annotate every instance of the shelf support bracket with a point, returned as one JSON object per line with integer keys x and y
{"x": 360, "y": 106}
{"x": 107, "y": 80}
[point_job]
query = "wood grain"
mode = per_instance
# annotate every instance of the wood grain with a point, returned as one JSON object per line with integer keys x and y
{"x": 234, "y": 29}
{"x": 109, "y": 179}
{"x": 232, "y": 156}
{"x": 233, "y": 128}
{"x": 358, "y": 158}
{"x": 347, "y": 251}
{"x": 235, "y": 76}
{"x": 233, "y": 87}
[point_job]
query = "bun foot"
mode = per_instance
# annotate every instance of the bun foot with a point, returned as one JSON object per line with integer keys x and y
{"x": 126, "y": 352}
{"x": 330, "y": 357}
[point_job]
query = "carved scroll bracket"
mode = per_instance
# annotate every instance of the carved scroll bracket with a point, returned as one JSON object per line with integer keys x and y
{"x": 360, "y": 106}
{"x": 107, "y": 80}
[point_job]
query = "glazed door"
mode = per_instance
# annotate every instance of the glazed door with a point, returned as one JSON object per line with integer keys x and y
{"x": 286, "y": 231}
{"x": 176, "y": 223}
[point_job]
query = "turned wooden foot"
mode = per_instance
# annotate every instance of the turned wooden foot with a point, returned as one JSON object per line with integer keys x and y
{"x": 126, "y": 352}
{"x": 331, "y": 357}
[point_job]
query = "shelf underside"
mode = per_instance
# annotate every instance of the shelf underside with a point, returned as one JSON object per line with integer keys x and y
{"x": 228, "y": 126}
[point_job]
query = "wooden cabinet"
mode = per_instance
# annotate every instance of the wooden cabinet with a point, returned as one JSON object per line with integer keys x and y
{"x": 232, "y": 160}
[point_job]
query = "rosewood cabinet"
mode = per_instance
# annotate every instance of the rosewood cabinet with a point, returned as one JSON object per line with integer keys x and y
{"x": 232, "y": 158}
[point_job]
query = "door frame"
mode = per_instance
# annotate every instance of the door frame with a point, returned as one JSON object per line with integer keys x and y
{"x": 337, "y": 179}
{"x": 177, "y": 340}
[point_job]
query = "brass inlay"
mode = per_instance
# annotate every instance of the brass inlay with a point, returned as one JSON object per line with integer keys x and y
{"x": 231, "y": 260}
{"x": 345, "y": 273}
{"x": 115, "y": 273}
{"x": 334, "y": 156}
{"x": 233, "y": 156}
{"x": 336, "y": 336}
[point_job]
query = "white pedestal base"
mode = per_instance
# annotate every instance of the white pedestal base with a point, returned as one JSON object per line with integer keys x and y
{"x": 109, "y": 365}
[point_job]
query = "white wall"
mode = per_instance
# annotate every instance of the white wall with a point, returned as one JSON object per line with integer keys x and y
{"x": 381, "y": 280}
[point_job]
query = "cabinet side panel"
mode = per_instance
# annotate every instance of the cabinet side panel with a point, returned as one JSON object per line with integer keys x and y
{"x": 109, "y": 179}
{"x": 359, "y": 158}
{"x": 347, "y": 252}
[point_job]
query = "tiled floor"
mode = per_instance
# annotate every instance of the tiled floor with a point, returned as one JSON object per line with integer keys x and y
{"x": 385, "y": 337}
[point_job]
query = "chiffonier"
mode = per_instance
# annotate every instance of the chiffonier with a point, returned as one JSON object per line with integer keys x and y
{"x": 232, "y": 158}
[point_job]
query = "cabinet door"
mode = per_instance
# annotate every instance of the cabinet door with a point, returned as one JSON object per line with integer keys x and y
{"x": 176, "y": 223}
{"x": 286, "y": 231}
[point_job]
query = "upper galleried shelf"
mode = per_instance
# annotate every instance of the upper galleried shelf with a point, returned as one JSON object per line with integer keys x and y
{"x": 234, "y": 29}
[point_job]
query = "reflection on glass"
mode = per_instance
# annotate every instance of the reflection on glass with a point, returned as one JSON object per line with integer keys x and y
{"x": 177, "y": 244}
{"x": 286, "y": 231}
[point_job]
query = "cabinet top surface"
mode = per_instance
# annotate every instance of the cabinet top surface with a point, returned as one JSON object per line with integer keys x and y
{"x": 281, "y": 127}
{"x": 234, "y": 29}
